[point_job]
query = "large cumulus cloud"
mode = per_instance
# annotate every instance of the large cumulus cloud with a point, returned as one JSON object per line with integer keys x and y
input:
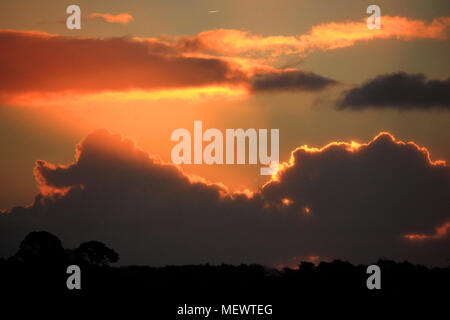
{"x": 362, "y": 198}
{"x": 344, "y": 201}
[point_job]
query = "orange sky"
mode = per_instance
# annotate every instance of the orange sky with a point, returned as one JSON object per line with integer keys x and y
{"x": 145, "y": 69}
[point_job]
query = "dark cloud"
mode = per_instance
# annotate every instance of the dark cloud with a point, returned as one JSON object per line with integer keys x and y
{"x": 293, "y": 80}
{"x": 337, "y": 202}
{"x": 368, "y": 196}
{"x": 399, "y": 91}
{"x": 90, "y": 65}
{"x": 33, "y": 61}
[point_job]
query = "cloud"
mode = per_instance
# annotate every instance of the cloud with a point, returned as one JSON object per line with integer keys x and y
{"x": 346, "y": 200}
{"x": 122, "y": 18}
{"x": 328, "y": 36}
{"x": 399, "y": 91}
{"x": 441, "y": 232}
{"x": 228, "y": 60}
{"x": 62, "y": 67}
{"x": 85, "y": 65}
{"x": 292, "y": 80}
{"x": 368, "y": 195}
{"x": 225, "y": 58}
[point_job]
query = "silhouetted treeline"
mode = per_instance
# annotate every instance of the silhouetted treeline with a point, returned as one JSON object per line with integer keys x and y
{"x": 39, "y": 268}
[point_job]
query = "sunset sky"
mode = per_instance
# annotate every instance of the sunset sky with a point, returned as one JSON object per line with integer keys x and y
{"x": 311, "y": 69}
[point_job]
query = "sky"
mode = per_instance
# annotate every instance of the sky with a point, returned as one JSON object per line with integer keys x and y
{"x": 363, "y": 116}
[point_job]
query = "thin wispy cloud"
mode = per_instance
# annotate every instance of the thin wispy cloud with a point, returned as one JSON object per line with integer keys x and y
{"x": 121, "y": 18}
{"x": 324, "y": 37}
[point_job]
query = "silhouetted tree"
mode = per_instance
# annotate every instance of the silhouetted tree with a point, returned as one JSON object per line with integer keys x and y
{"x": 306, "y": 266}
{"x": 37, "y": 269}
{"x": 94, "y": 253}
{"x": 40, "y": 247}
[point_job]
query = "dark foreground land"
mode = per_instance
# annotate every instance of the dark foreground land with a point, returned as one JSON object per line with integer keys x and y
{"x": 38, "y": 272}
